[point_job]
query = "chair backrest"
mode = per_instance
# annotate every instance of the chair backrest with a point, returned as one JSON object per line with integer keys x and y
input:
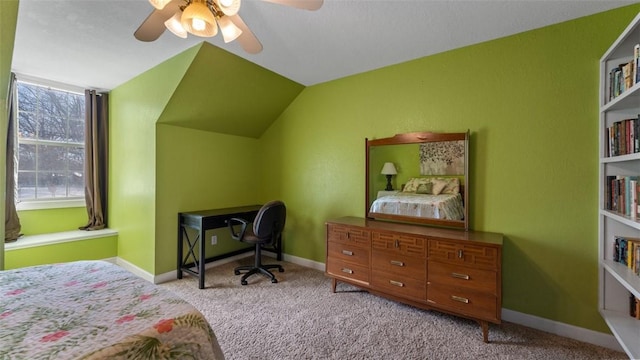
{"x": 270, "y": 219}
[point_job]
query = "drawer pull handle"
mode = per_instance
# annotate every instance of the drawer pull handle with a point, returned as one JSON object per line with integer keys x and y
{"x": 397, "y": 263}
{"x": 460, "y": 254}
{"x": 396, "y": 244}
{"x": 460, "y": 299}
{"x": 460, "y": 276}
{"x": 396, "y": 283}
{"x": 348, "y": 271}
{"x": 347, "y": 252}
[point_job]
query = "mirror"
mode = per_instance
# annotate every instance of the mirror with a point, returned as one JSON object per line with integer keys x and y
{"x": 419, "y": 177}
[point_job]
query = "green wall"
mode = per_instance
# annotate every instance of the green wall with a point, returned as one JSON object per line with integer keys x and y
{"x": 199, "y": 170}
{"x": 90, "y": 249}
{"x": 52, "y": 220}
{"x": 134, "y": 108}
{"x": 530, "y": 102}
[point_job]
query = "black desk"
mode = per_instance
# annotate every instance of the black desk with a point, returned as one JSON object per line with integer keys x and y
{"x": 202, "y": 221}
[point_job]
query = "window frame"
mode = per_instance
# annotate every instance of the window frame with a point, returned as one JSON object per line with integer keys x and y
{"x": 48, "y": 203}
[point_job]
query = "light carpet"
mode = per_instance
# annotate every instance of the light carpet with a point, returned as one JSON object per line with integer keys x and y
{"x": 300, "y": 318}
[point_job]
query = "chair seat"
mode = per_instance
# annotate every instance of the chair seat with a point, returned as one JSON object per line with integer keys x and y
{"x": 251, "y": 238}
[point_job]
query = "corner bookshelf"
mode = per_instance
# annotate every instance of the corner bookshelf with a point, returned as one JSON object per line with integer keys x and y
{"x": 617, "y": 282}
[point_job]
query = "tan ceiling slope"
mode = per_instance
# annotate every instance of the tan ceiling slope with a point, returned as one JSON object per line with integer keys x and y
{"x": 224, "y": 93}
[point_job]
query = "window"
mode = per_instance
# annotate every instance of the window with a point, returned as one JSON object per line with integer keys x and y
{"x": 50, "y": 154}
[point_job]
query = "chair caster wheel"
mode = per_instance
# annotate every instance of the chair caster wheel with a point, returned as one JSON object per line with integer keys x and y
{"x": 280, "y": 270}
{"x": 274, "y": 280}
{"x": 243, "y": 282}
{"x": 236, "y": 272}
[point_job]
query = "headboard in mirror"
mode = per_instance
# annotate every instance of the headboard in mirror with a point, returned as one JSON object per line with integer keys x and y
{"x": 419, "y": 177}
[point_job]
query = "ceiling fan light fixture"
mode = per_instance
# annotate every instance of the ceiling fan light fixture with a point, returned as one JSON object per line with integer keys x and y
{"x": 228, "y": 7}
{"x": 199, "y": 20}
{"x": 175, "y": 26}
{"x": 159, "y": 4}
{"x": 229, "y": 30}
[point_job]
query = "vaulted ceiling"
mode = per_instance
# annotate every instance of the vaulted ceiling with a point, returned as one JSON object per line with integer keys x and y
{"x": 91, "y": 43}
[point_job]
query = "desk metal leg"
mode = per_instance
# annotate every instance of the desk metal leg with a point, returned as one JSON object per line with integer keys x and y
{"x": 202, "y": 257}
{"x": 179, "y": 268}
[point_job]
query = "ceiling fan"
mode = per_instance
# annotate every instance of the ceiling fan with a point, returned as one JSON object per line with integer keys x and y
{"x": 203, "y": 17}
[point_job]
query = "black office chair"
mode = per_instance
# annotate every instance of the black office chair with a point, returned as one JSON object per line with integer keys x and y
{"x": 266, "y": 230}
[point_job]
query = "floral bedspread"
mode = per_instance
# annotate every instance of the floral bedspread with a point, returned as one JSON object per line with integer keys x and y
{"x": 97, "y": 310}
{"x": 444, "y": 206}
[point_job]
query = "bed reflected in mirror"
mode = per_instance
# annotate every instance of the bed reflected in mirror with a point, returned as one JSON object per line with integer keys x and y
{"x": 419, "y": 177}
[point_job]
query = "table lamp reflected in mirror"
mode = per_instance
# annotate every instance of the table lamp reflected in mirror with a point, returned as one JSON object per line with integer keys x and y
{"x": 389, "y": 170}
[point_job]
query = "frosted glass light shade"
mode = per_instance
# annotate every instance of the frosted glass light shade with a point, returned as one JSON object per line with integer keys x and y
{"x": 159, "y": 4}
{"x": 388, "y": 169}
{"x": 229, "y": 30}
{"x": 175, "y": 26}
{"x": 198, "y": 20}
{"x": 228, "y": 7}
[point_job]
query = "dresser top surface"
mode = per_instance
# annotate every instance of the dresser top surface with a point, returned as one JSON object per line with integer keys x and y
{"x": 449, "y": 234}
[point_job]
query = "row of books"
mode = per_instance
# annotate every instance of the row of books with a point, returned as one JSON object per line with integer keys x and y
{"x": 624, "y": 76}
{"x": 634, "y": 307}
{"x": 622, "y": 194}
{"x": 623, "y": 137}
{"x": 627, "y": 252}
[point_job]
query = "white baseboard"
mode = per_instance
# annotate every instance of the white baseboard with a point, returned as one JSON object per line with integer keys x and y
{"x": 532, "y": 321}
{"x": 304, "y": 262}
{"x": 562, "y": 329}
{"x": 134, "y": 269}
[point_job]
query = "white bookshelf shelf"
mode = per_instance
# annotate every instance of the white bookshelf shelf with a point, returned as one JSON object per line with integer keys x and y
{"x": 625, "y": 276}
{"x": 626, "y": 330}
{"x": 617, "y": 283}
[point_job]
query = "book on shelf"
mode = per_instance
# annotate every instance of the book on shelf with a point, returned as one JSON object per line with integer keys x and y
{"x": 623, "y": 137}
{"x": 626, "y": 75}
{"x": 626, "y": 251}
{"x": 636, "y": 59}
{"x": 634, "y": 306}
{"x": 622, "y": 195}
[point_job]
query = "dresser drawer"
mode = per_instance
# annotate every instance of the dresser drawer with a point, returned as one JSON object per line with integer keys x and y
{"x": 462, "y": 277}
{"x": 348, "y": 235}
{"x": 347, "y": 270}
{"x": 398, "y": 243}
{"x": 348, "y": 252}
{"x": 479, "y": 256}
{"x": 404, "y": 266}
{"x": 400, "y": 286}
{"x": 469, "y": 303}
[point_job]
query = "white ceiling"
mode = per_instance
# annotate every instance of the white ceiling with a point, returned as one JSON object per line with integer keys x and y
{"x": 90, "y": 43}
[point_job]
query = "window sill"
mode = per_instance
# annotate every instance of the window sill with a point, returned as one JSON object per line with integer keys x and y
{"x": 29, "y": 241}
{"x": 50, "y": 204}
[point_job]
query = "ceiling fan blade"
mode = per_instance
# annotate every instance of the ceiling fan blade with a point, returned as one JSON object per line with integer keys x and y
{"x": 300, "y": 4}
{"x": 153, "y": 26}
{"x": 247, "y": 39}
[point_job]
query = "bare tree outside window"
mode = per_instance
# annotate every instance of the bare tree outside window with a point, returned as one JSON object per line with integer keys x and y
{"x": 50, "y": 143}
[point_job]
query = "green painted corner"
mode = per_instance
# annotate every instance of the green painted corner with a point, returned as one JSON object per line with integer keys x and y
{"x": 134, "y": 108}
{"x": 228, "y": 94}
{"x": 199, "y": 170}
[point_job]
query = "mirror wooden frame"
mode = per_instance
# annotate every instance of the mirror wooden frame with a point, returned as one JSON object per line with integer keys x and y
{"x": 417, "y": 138}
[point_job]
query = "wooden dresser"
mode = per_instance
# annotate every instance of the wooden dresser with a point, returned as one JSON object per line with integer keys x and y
{"x": 453, "y": 271}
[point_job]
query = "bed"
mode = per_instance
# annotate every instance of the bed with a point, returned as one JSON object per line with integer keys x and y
{"x": 436, "y": 198}
{"x": 97, "y": 310}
